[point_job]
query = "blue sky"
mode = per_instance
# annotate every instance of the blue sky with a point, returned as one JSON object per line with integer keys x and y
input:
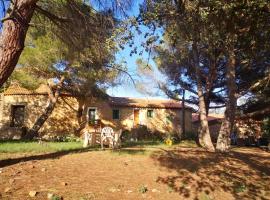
{"x": 127, "y": 88}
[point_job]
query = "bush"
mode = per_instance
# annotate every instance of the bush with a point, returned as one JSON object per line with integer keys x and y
{"x": 55, "y": 197}
{"x": 141, "y": 133}
{"x": 61, "y": 138}
{"x": 239, "y": 187}
{"x": 175, "y": 137}
{"x": 172, "y": 138}
{"x": 191, "y": 136}
{"x": 266, "y": 128}
{"x": 125, "y": 135}
{"x": 143, "y": 189}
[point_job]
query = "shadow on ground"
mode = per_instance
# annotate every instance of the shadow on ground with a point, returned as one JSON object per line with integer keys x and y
{"x": 57, "y": 155}
{"x": 54, "y": 155}
{"x": 242, "y": 175}
{"x": 130, "y": 151}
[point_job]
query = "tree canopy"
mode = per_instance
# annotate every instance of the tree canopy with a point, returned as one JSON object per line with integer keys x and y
{"x": 211, "y": 49}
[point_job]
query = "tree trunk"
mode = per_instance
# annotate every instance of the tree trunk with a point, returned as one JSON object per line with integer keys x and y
{"x": 53, "y": 97}
{"x": 183, "y": 116}
{"x": 80, "y": 118}
{"x": 223, "y": 142}
{"x": 204, "y": 133}
{"x": 207, "y": 103}
{"x": 15, "y": 26}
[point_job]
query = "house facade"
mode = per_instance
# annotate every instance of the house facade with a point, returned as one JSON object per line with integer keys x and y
{"x": 214, "y": 123}
{"x": 19, "y": 109}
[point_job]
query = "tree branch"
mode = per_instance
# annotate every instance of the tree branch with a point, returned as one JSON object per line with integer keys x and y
{"x": 51, "y": 16}
{"x": 124, "y": 71}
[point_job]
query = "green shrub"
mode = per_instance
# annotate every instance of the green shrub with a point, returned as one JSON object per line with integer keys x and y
{"x": 143, "y": 189}
{"x": 191, "y": 135}
{"x": 175, "y": 137}
{"x": 65, "y": 138}
{"x": 239, "y": 187}
{"x": 126, "y": 134}
{"x": 141, "y": 133}
{"x": 55, "y": 197}
{"x": 266, "y": 128}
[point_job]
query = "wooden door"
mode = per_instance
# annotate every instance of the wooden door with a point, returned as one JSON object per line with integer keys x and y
{"x": 136, "y": 117}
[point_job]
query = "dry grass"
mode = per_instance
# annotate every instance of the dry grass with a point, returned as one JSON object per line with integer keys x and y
{"x": 139, "y": 172}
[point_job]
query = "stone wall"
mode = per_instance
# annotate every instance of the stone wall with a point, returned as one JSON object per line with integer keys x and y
{"x": 159, "y": 122}
{"x": 214, "y": 127}
{"x": 62, "y": 121}
{"x": 66, "y": 119}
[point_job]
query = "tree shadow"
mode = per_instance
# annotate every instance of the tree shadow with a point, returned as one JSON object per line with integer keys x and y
{"x": 242, "y": 175}
{"x": 54, "y": 155}
{"x": 141, "y": 143}
{"x": 57, "y": 155}
{"x": 130, "y": 151}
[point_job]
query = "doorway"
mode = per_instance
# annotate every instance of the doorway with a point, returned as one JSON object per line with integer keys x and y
{"x": 136, "y": 117}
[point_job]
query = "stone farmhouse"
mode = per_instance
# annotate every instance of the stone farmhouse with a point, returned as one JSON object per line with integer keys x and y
{"x": 19, "y": 108}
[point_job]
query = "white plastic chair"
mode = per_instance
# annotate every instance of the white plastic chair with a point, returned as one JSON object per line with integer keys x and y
{"x": 107, "y": 134}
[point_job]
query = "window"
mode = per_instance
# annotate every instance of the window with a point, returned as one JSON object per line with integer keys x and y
{"x": 150, "y": 113}
{"x": 17, "y": 115}
{"x": 116, "y": 114}
{"x": 92, "y": 115}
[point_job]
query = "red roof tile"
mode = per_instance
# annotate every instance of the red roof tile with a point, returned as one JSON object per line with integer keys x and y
{"x": 210, "y": 117}
{"x": 114, "y": 101}
{"x": 145, "y": 102}
{"x": 17, "y": 90}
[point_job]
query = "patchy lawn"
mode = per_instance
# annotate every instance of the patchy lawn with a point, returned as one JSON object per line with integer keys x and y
{"x": 139, "y": 171}
{"x": 44, "y": 147}
{"x": 13, "y": 149}
{"x": 18, "y": 149}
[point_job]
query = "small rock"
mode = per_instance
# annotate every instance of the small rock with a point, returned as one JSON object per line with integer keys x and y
{"x": 17, "y": 172}
{"x": 11, "y": 181}
{"x": 7, "y": 189}
{"x": 155, "y": 190}
{"x": 129, "y": 191}
{"x": 31, "y": 166}
{"x": 63, "y": 183}
{"x": 50, "y": 195}
{"x": 43, "y": 169}
{"x": 1, "y": 170}
{"x": 114, "y": 190}
{"x": 32, "y": 193}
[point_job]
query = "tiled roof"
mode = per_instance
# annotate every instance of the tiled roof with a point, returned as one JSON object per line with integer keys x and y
{"x": 210, "y": 117}
{"x": 114, "y": 101}
{"x": 18, "y": 90}
{"x": 145, "y": 102}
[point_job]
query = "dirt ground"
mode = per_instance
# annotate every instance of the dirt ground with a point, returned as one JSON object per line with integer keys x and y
{"x": 138, "y": 173}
